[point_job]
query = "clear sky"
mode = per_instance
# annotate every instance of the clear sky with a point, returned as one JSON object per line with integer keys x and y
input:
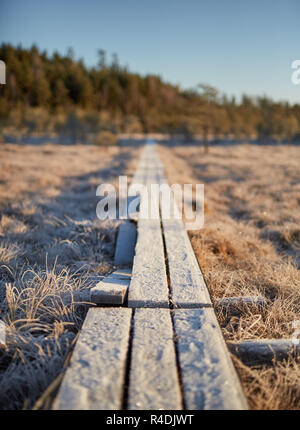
{"x": 236, "y": 45}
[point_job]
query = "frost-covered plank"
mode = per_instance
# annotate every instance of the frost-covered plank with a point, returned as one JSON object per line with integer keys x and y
{"x": 208, "y": 376}
{"x": 187, "y": 284}
{"x": 95, "y": 377}
{"x": 107, "y": 290}
{"x": 148, "y": 286}
{"x": 153, "y": 380}
{"x": 188, "y": 288}
{"x": 110, "y": 291}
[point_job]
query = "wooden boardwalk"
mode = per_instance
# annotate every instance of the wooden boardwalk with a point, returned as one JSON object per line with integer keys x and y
{"x": 163, "y": 348}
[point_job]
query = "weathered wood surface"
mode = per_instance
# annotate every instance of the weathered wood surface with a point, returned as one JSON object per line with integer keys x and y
{"x": 149, "y": 286}
{"x": 107, "y": 290}
{"x": 264, "y": 351}
{"x": 139, "y": 179}
{"x": 125, "y": 245}
{"x": 153, "y": 374}
{"x": 208, "y": 376}
{"x": 188, "y": 288}
{"x": 95, "y": 377}
{"x": 110, "y": 291}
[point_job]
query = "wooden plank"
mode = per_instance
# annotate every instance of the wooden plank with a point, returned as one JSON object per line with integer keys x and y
{"x": 95, "y": 377}
{"x": 264, "y": 351}
{"x": 139, "y": 176}
{"x": 149, "y": 286}
{"x": 153, "y": 380}
{"x": 208, "y": 376}
{"x": 188, "y": 288}
{"x": 125, "y": 245}
{"x": 118, "y": 280}
{"x": 110, "y": 291}
{"x": 133, "y": 193}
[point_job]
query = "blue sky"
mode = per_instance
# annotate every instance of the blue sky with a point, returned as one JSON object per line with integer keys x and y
{"x": 236, "y": 45}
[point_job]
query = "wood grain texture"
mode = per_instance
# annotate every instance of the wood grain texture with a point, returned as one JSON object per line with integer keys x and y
{"x": 209, "y": 378}
{"x": 95, "y": 377}
{"x": 153, "y": 374}
{"x": 149, "y": 286}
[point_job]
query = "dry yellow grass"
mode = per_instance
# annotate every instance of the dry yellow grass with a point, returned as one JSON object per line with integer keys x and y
{"x": 50, "y": 241}
{"x": 250, "y": 246}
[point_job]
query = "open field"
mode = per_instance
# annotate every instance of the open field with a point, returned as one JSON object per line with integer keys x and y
{"x": 50, "y": 242}
{"x": 250, "y": 245}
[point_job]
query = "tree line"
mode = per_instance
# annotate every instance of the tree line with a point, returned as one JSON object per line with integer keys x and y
{"x": 53, "y": 92}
